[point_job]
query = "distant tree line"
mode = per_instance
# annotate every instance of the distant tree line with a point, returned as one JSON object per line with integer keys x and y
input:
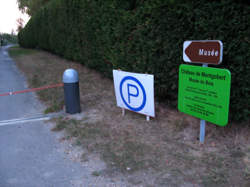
{"x": 31, "y": 6}
{"x": 7, "y": 38}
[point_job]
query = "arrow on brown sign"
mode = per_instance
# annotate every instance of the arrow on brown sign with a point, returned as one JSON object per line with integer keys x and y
{"x": 206, "y": 51}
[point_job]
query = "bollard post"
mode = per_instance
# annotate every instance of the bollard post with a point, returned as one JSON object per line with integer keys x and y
{"x": 71, "y": 91}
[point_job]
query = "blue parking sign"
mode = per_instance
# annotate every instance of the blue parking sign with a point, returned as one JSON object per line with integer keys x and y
{"x": 135, "y": 92}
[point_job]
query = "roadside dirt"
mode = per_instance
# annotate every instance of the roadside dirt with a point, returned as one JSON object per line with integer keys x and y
{"x": 162, "y": 152}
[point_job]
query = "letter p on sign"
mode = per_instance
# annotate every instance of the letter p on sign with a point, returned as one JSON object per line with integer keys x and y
{"x": 135, "y": 92}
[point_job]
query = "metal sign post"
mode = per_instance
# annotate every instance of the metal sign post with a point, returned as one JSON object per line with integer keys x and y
{"x": 202, "y": 130}
{"x": 203, "y": 123}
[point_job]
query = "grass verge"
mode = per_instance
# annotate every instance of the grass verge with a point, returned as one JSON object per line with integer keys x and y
{"x": 165, "y": 150}
{"x": 40, "y": 72}
{"x": 16, "y": 51}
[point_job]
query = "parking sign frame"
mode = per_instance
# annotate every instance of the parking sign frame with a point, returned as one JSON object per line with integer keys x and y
{"x": 135, "y": 92}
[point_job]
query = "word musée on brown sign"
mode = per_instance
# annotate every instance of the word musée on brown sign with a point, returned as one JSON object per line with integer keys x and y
{"x": 206, "y": 51}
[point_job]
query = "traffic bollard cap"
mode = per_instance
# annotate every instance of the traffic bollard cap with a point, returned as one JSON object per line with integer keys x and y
{"x": 70, "y": 76}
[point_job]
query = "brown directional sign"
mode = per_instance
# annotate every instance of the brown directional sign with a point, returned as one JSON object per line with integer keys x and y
{"x": 203, "y": 51}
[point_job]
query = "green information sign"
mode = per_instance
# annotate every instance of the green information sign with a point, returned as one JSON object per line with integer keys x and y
{"x": 204, "y": 92}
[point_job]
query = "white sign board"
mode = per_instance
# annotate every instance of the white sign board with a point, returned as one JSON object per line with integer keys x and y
{"x": 135, "y": 92}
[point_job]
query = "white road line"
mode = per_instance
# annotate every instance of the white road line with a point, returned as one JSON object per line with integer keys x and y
{"x": 25, "y": 118}
{"x": 37, "y": 117}
{"x": 18, "y": 121}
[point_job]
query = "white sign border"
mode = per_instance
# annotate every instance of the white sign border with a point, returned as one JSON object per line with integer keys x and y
{"x": 147, "y": 81}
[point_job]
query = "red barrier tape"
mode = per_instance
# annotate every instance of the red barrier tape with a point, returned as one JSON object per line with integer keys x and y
{"x": 32, "y": 89}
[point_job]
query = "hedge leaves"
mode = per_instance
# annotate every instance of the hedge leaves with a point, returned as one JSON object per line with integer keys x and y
{"x": 146, "y": 37}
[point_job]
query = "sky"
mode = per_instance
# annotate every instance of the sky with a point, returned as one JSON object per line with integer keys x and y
{"x": 9, "y": 13}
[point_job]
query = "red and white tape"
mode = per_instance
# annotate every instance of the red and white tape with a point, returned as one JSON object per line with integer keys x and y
{"x": 32, "y": 89}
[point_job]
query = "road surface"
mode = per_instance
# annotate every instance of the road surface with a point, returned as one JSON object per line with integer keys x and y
{"x": 30, "y": 154}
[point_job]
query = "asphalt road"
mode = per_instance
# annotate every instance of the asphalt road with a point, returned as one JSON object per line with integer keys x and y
{"x": 30, "y": 154}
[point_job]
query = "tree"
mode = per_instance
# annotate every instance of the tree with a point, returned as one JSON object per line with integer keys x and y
{"x": 31, "y": 6}
{"x": 19, "y": 24}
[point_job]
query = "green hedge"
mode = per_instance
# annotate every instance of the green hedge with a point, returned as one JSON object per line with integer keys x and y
{"x": 147, "y": 37}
